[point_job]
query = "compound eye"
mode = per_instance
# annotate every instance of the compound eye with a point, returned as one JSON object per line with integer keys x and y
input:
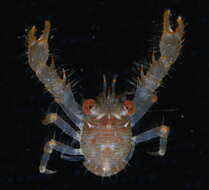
{"x": 88, "y": 105}
{"x": 130, "y": 106}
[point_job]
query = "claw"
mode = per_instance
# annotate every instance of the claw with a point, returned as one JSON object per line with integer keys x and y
{"x": 167, "y": 26}
{"x": 43, "y": 38}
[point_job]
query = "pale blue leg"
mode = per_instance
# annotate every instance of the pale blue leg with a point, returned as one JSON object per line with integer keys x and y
{"x": 64, "y": 126}
{"x": 72, "y": 158}
{"x": 48, "y": 149}
{"x": 162, "y": 132}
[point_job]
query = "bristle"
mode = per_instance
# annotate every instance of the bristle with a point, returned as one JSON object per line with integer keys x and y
{"x": 114, "y": 80}
{"x": 104, "y": 85}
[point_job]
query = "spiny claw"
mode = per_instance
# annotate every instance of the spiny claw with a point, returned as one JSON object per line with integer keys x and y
{"x": 44, "y": 36}
{"x": 167, "y": 26}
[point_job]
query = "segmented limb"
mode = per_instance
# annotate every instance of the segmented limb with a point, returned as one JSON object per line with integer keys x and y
{"x": 162, "y": 132}
{"x": 48, "y": 149}
{"x": 64, "y": 126}
{"x": 72, "y": 158}
{"x": 170, "y": 46}
{"x": 38, "y": 54}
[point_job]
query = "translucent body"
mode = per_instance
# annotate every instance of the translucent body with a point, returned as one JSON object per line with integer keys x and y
{"x": 105, "y": 123}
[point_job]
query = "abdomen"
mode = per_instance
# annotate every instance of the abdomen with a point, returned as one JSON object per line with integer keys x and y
{"x": 106, "y": 149}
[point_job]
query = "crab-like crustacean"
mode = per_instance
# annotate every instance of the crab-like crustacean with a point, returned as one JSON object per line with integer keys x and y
{"x": 105, "y": 123}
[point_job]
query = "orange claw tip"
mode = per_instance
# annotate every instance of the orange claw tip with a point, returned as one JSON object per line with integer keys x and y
{"x": 167, "y": 12}
{"x": 166, "y": 21}
{"x": 33, "y": 30}
{"x": 181, "y": 24}
{"x": 166, "y": 15}
{"x": 47, "y": 26}
{"x": 31, "y": 33}
{"x": 179, "y": 20}
{"x": 45, "y": 33}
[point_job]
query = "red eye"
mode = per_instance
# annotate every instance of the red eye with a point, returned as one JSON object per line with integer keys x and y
{"x": 130, "y": 106}
{"x": 88, "y": 105}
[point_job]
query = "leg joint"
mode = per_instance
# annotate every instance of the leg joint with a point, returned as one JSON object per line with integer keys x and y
{"x": 164, "y": 131}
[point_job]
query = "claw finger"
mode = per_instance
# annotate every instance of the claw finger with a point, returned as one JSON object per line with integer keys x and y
{"x": 167, "y": 26}
{"x": 166, "y": 22}
{"x": 181, "y": 25}
{"x": 31, "y": 35}
{"x": 45, "y": 34}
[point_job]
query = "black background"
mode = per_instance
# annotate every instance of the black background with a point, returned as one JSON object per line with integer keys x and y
{"x": 95, "y": 38}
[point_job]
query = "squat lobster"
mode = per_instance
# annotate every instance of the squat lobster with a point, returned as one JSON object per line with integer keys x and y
{"x": 105, "y": 123}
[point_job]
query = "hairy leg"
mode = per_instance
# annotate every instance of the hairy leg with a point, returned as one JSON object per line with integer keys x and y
{"x": 48, "y": 149}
